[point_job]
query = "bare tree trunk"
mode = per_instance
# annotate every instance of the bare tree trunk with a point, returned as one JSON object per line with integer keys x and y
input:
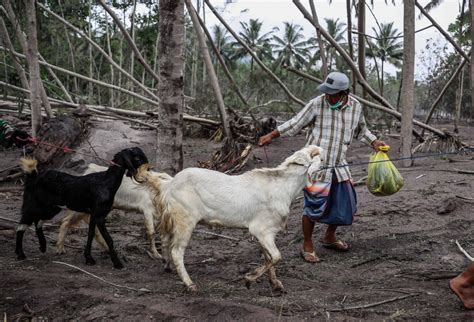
{"x": 5, "y": 38}
{"x": 408, "y": 79}
{"x": 71, "y": 51}
{"x": 155, "y": 59}
{"x": 471, "y": 10}
{"x": 322, "y": 48}
{"x": 349, "y": 39}
{"x": 169, "y": 150}
{"x": 210, "y": 70}
{"x": 109, "y": 49}
{"x": 204, "y": 76}
{"x": 23, "y": 43}
{"x": 361, "y": 42}
{"x": 91, "y": 59}
{"x": 381, "y": 78}
{"x": 459, "y": 92}
{"x": 443, "y": 91}
{"x": 32, "y": 57}
{"x": 132, "y": 31}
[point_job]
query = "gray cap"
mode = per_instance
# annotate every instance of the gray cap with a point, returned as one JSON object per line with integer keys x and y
{"x": 334, "y": 83}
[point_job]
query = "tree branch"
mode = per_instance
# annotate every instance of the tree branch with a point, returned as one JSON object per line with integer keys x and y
{"x": 93, "y": 43}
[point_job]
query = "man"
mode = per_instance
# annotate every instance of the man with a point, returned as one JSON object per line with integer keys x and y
{"x": 332, "y": 119}
{"x": 463, "y": 286}
{"x": 10, "y": 135}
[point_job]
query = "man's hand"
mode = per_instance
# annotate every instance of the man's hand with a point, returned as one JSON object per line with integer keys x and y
{"x": 377, "y": 143}
{"x": 263, "y": 140}
{"x": 19, "y": 138}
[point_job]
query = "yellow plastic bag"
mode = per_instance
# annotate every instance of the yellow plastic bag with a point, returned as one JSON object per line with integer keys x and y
{"x": 383, "y": 179}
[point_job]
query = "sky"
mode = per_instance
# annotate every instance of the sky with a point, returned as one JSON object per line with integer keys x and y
{"x": 274, "y": 12}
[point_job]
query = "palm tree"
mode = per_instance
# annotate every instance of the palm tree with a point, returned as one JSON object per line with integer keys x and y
{"x": 337, "y": 30}
{"x": 222, "y": 42}
{"x": 291, "y": 50}
{"x": 387, "y": 48}
{"x": 258, "y": 43}
{"x": 169, "y": 147}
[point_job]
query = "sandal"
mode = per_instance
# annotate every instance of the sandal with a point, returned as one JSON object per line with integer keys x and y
{"x": 310, "y": 257}
{"x": 338, "y": 245}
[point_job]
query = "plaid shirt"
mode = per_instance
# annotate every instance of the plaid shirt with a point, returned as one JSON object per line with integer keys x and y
{"x": 332, "y": 130}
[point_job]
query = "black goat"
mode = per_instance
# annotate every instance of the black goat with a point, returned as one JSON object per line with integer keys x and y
{"x": 94, "y": 193}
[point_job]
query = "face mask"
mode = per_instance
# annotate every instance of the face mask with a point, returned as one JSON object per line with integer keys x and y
{"x": 336, "y": 105}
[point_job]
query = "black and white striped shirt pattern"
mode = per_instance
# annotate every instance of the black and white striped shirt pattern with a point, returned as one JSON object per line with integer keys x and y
{"x": 332, "y": 130}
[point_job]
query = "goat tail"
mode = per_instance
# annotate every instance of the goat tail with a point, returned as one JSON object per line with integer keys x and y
{"x": 167, "y": 224}
{"x": 29, "y": 166}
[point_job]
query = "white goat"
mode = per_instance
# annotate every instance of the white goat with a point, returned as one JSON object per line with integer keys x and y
{"x": 258, "y": 200}
{"x": 130, "y": 196}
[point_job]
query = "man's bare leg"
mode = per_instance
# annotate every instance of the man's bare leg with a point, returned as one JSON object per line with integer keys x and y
{"x": 308, "y": 249}
{"x": 463, "y": 286}
{"x": 330, "y": 240}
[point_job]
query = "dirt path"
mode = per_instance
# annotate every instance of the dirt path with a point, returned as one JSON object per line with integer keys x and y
{"x": 401, "y": 246}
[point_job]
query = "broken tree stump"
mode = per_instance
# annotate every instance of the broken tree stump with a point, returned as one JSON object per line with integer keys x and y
{"x": 59, "y": 135}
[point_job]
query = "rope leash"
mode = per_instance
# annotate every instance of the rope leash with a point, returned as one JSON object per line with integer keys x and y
{"x": 66, "y": 149}
{"x": 266, "y": 156}
{"x": 463, "y": 151}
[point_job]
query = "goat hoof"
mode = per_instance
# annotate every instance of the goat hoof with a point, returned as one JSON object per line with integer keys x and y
{"x": 167, "y": 269}
{"x": 21, "y": 257}
{"x": 279, "y": 290}
{"x": 43, "y": 249}
{"x": 90, "y": 261}
{"x": 192, "y": 288}
{"x": 118, "y": 265}
{"x": 60, "y": 251}
{"x": 248, "y": 284}
{"x": 154, "y": 255}
{"x": 278, "y": 287}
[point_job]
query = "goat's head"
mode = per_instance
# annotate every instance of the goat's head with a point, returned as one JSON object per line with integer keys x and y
{"x": 309, "y": 157}
{"x": 134, "y": 161}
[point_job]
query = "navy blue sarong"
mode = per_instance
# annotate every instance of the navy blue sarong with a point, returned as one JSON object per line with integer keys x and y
{"x": 332, "y": 203}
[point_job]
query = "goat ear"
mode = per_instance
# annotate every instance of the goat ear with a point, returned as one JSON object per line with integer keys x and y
{"x": 127, "y": 162}
{"x": 301, "y": 159}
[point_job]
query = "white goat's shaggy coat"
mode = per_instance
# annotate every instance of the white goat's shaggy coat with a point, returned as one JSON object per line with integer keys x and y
{"x": 258, "y": 200}
{"x": 129, "y": 197}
